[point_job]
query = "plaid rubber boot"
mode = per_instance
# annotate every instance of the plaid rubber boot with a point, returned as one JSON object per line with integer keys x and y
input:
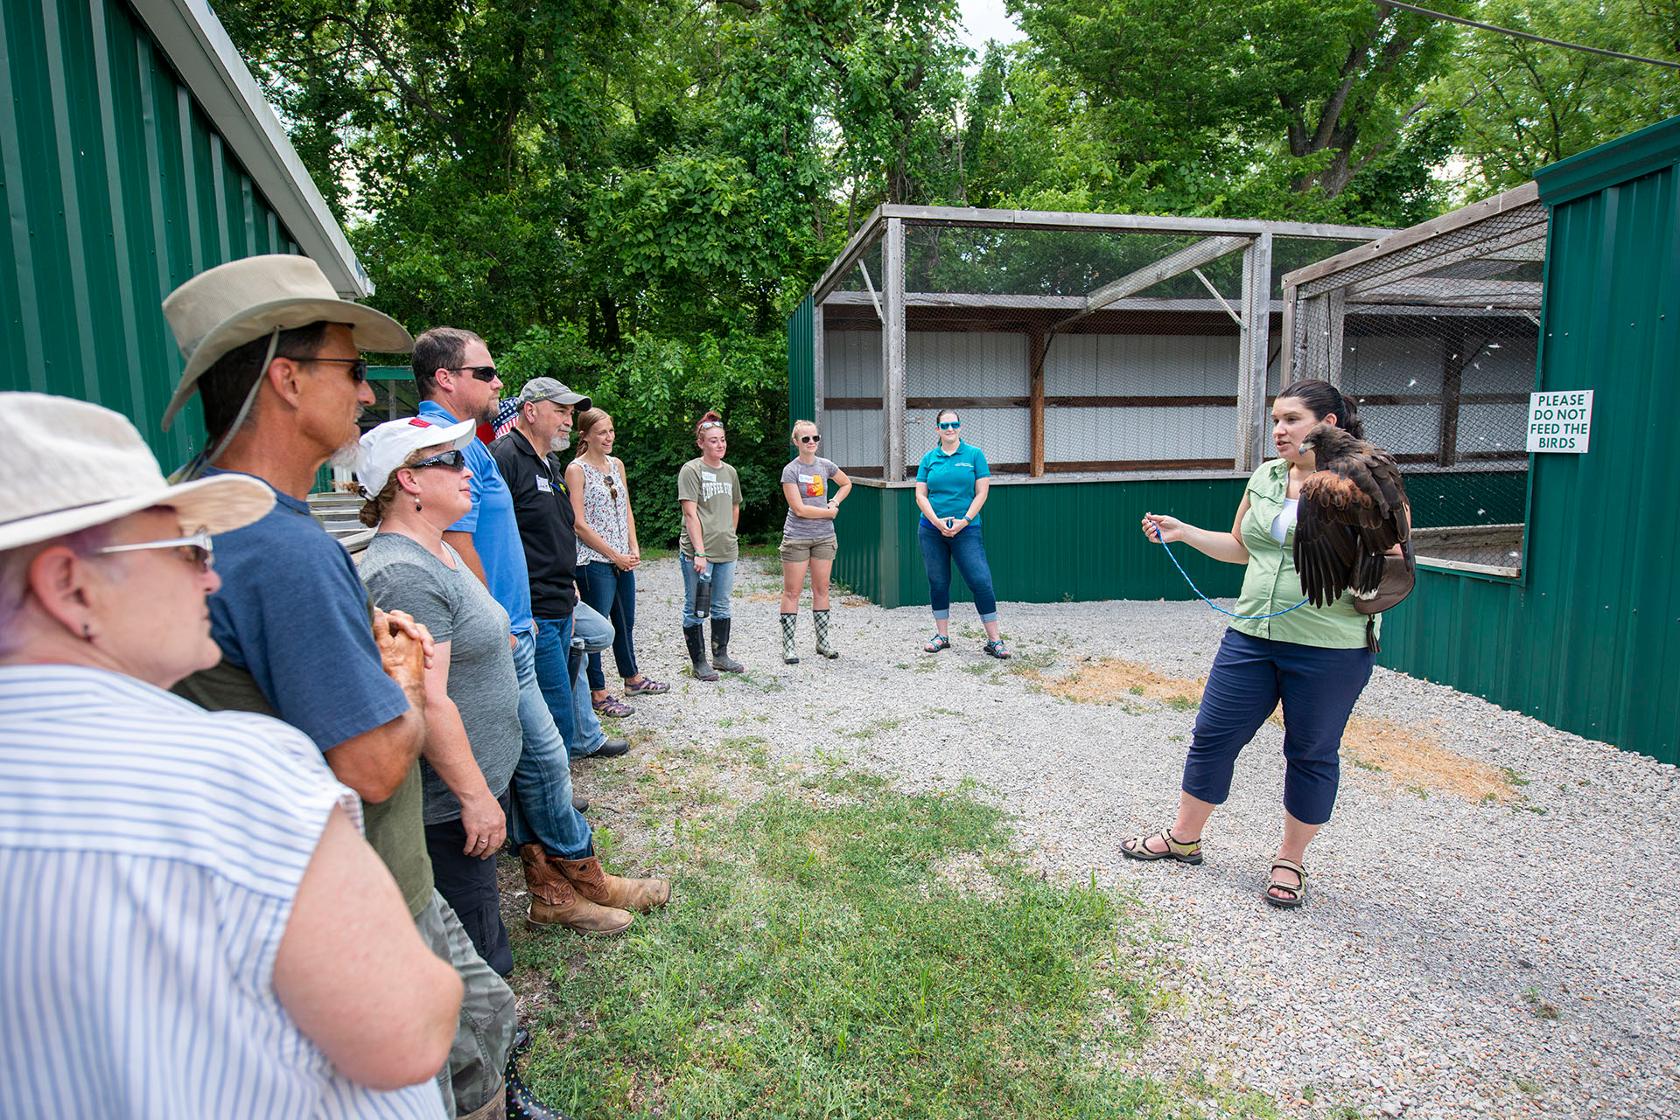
{"x": 789, "y": 622}
{"x": 821, "y": 619}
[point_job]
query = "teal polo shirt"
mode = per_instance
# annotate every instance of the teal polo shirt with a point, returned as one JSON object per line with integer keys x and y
{"x": 950, "y": 478}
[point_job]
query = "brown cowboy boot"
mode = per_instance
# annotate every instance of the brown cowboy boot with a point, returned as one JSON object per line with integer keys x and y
{"x": 555, "y": 903}
{"x": 610, "y": 890}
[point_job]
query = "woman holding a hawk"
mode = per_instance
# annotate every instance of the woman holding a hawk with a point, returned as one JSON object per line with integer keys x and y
{"x": 1315, "y": 524}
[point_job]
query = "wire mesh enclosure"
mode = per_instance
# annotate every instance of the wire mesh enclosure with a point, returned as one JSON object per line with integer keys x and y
{"x": 1434, "y": 332}
{"x": 1071, "y": 344}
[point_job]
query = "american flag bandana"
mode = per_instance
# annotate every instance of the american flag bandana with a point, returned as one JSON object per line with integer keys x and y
{"x": 505, "y": 416}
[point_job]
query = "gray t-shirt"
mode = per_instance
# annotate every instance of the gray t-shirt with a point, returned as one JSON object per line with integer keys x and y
{"x": 814, "y": 490}
{"x": 401, "y": 575}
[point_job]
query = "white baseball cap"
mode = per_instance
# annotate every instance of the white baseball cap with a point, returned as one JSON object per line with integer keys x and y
{"x": 67, "y": 465}
{"x": 384, "y": 448}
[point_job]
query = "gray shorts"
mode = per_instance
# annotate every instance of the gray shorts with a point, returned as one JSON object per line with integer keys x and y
{"x": 798, "y": 550}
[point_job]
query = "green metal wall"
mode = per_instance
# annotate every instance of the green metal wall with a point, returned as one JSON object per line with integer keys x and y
{"x": 802, "y": 372}
{"x": 115, "y": 191}
{"x": 1589, "y": 639}
{"x": 1046, "y": 541}
{"x": 1052, "y": 541}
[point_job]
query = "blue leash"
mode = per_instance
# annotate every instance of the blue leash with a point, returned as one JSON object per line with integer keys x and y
{"x": 1163, "y": 543}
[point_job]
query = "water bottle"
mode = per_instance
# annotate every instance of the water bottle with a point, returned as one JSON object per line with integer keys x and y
{"x": 703, "y": 594}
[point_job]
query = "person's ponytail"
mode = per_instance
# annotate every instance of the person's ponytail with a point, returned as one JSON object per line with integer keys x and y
{"x": 1347, "y": 417}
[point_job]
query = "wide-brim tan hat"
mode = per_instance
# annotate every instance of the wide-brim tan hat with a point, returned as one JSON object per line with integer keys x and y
{"x": 66, "y": 465}
{"x": 247, "y": 299}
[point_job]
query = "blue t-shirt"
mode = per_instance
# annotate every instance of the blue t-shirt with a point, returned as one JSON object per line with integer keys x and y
{"x": 495, "y": 532}
{"x": 950, "y": 478}
{"x": 292, "y": 612}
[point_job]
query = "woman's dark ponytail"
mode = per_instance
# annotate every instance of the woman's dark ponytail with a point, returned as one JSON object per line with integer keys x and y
{"x": 1323, "y": 399}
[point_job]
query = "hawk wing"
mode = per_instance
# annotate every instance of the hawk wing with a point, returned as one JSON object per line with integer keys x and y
{"x": 1353, "y": 509}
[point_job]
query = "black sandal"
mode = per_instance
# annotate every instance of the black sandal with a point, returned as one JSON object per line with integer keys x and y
{"x": 1184, "y": 851}
{"x": 1297, "y": 893}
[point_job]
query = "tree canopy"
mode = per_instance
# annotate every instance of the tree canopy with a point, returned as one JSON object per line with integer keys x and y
{"x": 632, "y": 196}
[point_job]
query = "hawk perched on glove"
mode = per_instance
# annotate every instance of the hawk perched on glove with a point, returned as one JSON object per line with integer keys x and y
{"x": 1352, "y": 511}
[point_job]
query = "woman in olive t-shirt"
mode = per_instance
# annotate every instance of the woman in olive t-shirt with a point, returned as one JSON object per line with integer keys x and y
{"x": 1313, "y": 659}
{"x": 709, "y": 491}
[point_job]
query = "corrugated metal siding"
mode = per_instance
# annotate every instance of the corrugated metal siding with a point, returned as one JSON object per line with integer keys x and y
{"x": 1590, "y": 642}
{"x": 115, "y": 190}
{"x": 1046, "y": 542}
{"x": 801, "y": 363}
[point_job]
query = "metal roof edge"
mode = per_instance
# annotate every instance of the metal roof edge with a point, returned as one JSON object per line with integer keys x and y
{"x": 198, "y": 47}
{"x": 1610, "y": 164}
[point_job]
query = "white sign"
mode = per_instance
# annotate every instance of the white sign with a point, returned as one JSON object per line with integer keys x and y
{"x": 1560, "y": 421}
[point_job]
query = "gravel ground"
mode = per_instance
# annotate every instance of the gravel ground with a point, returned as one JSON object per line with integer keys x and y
{"x": 1454, "y": 959}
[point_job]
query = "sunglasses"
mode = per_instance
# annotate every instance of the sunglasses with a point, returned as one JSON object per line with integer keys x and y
{"x": 455, "y": 459}
{"x": 195, "y": 548}
{"x": 485, "y": 374}
{"x": 810, "y": 439}
{"x": 950, "y": 425}
{"x": 358, "y": 366}
{"x": 612, "y": 488}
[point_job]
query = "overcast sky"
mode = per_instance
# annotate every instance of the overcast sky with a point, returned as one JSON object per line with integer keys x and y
{"x": 987, "y": 19}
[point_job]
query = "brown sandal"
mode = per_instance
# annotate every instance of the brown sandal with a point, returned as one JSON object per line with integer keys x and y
{"x": 1184, "y": 851}
{"x": 1297, "y": 894}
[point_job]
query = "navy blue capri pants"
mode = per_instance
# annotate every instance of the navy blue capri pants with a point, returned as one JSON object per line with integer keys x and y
{"x": 1250, "y": 675}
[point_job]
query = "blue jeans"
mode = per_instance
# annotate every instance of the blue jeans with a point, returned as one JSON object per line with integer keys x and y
{"x": 559, "y": 653}
{"x": 968, "y": 549}
{"x": 612, "y": 594}
{"x": 542, "y": 780}
{"x": 1250, "y": 675}
{"x": 723, "y": 582}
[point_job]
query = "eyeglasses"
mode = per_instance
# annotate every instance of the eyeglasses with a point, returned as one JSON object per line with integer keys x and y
{"x": 485, "y": 374}
{"x": 950, "y": 425}
{"x": 810, "y": 439}
{"x": 195, "y": 548}
{"x": 455, "y": 459}
{"x": 358, "y": 366}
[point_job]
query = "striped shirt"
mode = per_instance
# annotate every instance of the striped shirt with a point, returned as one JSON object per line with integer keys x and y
{"x": 149, "y": 855}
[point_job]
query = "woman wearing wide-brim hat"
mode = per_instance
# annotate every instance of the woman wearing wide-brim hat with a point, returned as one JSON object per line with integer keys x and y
{"x": 205, "y": 868}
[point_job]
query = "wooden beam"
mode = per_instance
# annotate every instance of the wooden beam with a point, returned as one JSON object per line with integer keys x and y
{"x": 1454, "y": 357}
{"x": 1335, "y": 303}
{"x": 1528, "y": 193}
{"x": 1035, "y": 421}
{"x": 977, "y": 218}
{"x": 1405, "y": 270}
{"x": 867, "y": 234}
{"x": 892, "y": 349}
{"x": 1190, "y": 257}
{"x": 1252, "y": 346}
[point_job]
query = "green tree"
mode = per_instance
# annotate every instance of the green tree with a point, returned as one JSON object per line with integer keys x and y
{"x": 1522, "y": 104}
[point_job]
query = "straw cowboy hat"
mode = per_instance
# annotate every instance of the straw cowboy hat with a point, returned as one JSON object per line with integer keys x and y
{"x": 251, "y": 298}
{"x": 66, "y": 465}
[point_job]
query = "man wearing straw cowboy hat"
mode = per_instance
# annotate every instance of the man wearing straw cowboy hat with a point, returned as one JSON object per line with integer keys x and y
{"x": 274, "y": 355}
{"x": 190, "y": 923}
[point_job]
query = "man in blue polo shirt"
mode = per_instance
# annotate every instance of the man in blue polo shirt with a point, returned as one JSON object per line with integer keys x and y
{"x": 457, "y": 381}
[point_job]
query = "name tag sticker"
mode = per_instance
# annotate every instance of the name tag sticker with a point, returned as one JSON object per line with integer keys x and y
{"x": 544, "y": 485}
{"x": 708, "y": 476}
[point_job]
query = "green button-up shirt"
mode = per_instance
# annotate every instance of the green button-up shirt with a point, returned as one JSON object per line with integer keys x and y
{"x": 1270, "y": 582}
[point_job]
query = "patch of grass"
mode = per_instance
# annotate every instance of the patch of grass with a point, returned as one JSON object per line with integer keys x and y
{"x": 1512, "y": 778}
{"x": 1367, "y": 764}
{"x": 979, "y": 669}
{"x": 870, "y": 730}
{"x": 1182, "y": 703}
{"x": 1528, "y": 1085}
{"x": 815, "y": 962}
{"x": 926, "y": 664}
{"x": 1538, "y": 1005}
{"x": 1415, "y": 759}
{"x": 1109, "y": 680}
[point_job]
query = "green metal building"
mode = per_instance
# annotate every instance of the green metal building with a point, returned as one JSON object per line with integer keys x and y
{"x": 135, "y": 152}
{"x": 1587, "y": 638}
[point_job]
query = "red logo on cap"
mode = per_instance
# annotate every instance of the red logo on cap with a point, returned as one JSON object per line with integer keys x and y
{"x": 419, "y": 423}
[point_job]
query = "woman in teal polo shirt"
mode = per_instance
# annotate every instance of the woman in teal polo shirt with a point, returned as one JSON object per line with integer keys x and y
{"x": 1314, "y": 660}
{"x": 952, "y": 482}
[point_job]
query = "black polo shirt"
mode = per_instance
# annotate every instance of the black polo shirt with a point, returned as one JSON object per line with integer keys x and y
{"x": 543, "y": 509}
